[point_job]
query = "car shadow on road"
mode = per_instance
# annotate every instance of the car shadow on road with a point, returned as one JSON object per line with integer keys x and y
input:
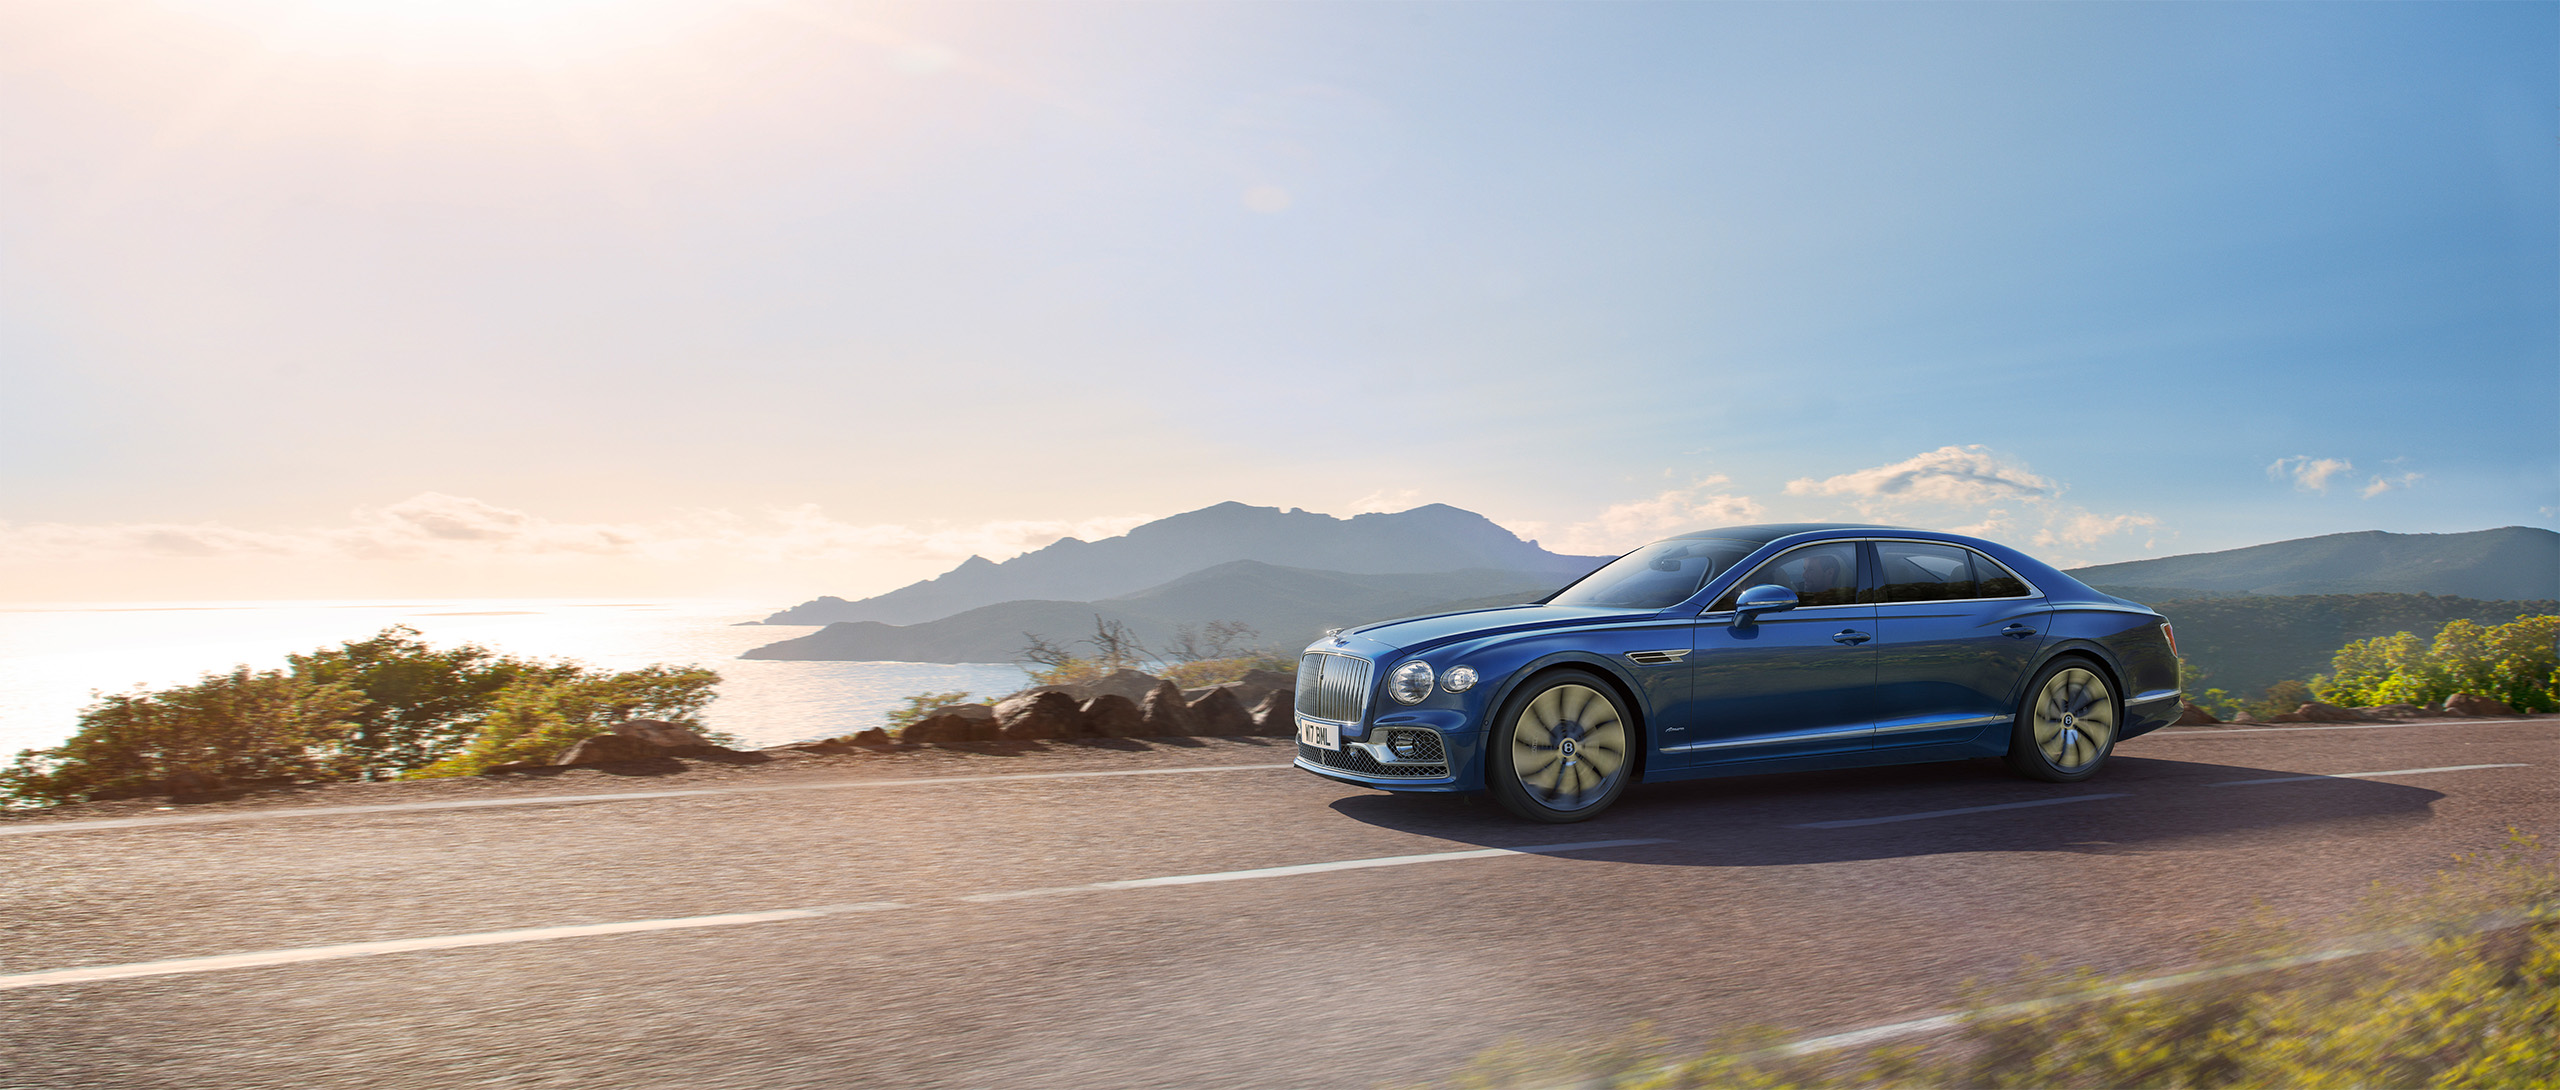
{"x": 1772, "y": 820}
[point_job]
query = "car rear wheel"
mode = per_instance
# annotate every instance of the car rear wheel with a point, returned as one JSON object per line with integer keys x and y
{"x": 1560, "y": 748}
{"x": 2067, "y": 726}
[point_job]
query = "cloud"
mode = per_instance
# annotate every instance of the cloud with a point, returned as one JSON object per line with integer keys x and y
{"x": 433, "y": 526}
{"x": 1624, "y": 526}
{"x": 2309, "y": 474}
{"x": 1963, "y": 476}
{"x": 2381, "y": 483}
{"x": 1383, "y": 501}
{"x": 2082, "y": 528}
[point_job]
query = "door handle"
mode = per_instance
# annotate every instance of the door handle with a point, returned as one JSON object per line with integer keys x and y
{"x": 1850, "y": 636}
{"x": 2018, "y": 631}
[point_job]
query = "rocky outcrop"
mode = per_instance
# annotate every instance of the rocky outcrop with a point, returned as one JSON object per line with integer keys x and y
{"x": 1218, "y": 712}
{"x": 1114, "y": 716}
{"x": 2189, "y": 715}
{"x": 1163, "y": 713}
{"x": 2401, "y": 711}
{"x": 2317, "y": 712}
{"x": 638, "y": 740}
{"x": 953, "y": 723}
{"x": 1039, "y": 717}
{"x": 1277, "y": 714}
{"x": 2470, "y": 704}
{"x": 1256, "y": 685}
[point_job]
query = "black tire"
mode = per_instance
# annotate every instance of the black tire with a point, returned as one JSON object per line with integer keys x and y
{"x": 1561, "y": 749}
{"x": 2067, "y": 723}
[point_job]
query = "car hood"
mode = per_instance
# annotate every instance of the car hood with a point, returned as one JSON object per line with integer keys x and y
{"x": 1419, "y": 633}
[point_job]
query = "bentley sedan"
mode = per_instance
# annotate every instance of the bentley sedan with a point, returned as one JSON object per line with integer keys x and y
{"x": 1746, "y": 649}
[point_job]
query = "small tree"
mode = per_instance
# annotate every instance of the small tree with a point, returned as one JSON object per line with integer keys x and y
{"x": 227, "y": 730}
{"x": 916, "y": 707}
{"x": 422, "y": 703}
{"x": 538, "y": 718}
{"x": 2513, "y": 662}
{"x": 1115, "y": 648}
{"x": 1215, "y": 640}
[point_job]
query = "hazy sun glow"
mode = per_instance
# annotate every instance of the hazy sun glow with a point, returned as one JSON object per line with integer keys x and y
{"x": 459, "y": 30}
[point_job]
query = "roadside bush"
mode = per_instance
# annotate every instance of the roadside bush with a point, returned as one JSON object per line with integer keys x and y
{"x": 539, "y": 718}
{"x": 421, "y": 703}
{"x": 918, "y": 705}
{"x": 2512, "y": 662}
{"x": 1206, "y": 672}
{"x": 2459, "y": 985}
{"x": 228, "y": 730}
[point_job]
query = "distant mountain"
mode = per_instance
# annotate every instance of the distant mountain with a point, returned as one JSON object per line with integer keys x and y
{"x": 2243, "y": 644}
{"x": 1289, "y": 607}
{"x": 1435, "y": 538}
{"x": 2511, "y": 562}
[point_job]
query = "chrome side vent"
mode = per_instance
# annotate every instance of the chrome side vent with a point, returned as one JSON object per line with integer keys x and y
{"x": 1333, "y": 687}
{"x": 1657, "y": 658}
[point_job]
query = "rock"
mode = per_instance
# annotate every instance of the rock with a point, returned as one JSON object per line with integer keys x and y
{"x": 1276, "y": 716}
{"x": 1130, "y": 685}
{"x": 1047, "y": 715}
{"x": 2245, "y": 717}
{"x": 2471, "y": 704}
{"x": 1218, "y": 712}
{"x": 966, "y": 711}
{"x": 2189, "y": 715}
{"x": 2317, "y": 712}
{"x": 658, "y": 732}
{"x": 945, "y": 729}
{"x": 2400, "y": 711}
{"x": 612, "y": 748}
{"x": 1164, "y": 714}
{"x": 1114, "y": 716}
{"x": 1256, "y": 685}
{"x": 2287, "y": 717}
{"x": 871, "y": 737}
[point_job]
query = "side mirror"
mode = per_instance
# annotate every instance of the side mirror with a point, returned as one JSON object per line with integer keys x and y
{"x": 1765, "y": 598}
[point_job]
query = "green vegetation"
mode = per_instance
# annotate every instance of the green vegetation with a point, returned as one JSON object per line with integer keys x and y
{"x": 1211, "y": 654}
{"x": 538, "y": 721}
{"x": 919, "y": 705}
{"x": 2245, "y": 644}
{"x": 2456, "y": 984}
{"x": 2512, "y": 662}
{"x": 366, "y": 709}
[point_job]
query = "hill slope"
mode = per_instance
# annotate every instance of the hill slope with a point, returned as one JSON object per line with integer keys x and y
{"x": 2511, "y": 562}
{"x": 1289, "y": 607}
{"x": 1434, "y": 538}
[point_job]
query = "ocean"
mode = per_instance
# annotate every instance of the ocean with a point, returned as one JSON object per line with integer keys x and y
{"x": 54, "y": 656}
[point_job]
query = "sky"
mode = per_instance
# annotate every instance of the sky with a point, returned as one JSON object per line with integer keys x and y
{"x": 339, "y": 298}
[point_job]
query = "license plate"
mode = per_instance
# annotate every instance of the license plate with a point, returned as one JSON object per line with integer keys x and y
{"x": 1320, "y": 735}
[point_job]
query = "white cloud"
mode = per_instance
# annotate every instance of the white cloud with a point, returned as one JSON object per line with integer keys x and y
{"x": 433, "y": 526}
{"x": 1624, "y": 526}
{"x": 2387, "y": 483}
{"x": 2082, "y": 528}
{"x": 1383, "y": 501}
{"x": 2309, "y": 474}
{"x": 1964, "y": 476}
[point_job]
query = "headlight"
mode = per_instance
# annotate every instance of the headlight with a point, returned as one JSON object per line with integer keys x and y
{"x": 1459, "y": 679}
{"x": 1410, "y": 683}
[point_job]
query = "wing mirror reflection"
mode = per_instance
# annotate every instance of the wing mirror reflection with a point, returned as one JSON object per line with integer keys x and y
{"x": 1765, "y": 598}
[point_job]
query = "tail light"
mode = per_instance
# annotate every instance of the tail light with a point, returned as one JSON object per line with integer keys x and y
{"x": 2172, "y": 634}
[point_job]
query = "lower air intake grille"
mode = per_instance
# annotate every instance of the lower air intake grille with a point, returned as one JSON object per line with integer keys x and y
{"x": 1358, "y": 763}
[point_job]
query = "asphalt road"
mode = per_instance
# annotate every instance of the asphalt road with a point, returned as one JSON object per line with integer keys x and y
{"x": 1187, "y": 926}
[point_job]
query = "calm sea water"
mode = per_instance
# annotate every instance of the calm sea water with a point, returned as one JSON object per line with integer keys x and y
{"x": 54, "y": 656}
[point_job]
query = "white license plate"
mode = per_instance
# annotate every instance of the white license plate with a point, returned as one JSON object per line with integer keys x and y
{"x": 1320, "y": 735}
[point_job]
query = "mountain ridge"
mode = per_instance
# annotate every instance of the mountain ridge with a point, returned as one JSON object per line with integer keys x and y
{"x": 2506, "y": 563}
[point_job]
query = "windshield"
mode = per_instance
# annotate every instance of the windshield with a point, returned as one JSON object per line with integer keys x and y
{"x": 1658, "y": 575}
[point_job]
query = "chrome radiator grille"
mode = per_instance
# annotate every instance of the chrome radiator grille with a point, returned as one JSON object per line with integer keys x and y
{"x": 1333, "y": 687}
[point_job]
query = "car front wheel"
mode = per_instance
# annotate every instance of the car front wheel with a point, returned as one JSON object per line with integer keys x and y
{"x": 1560, "y": 748}
{"x": 2067, "y": 725}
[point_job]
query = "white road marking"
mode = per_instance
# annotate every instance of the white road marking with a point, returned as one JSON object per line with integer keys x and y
{"x": 1304, "y": 868}
{"x": 1923, "y": 816}
{"x": 2201, "y": 732}
{"x": 33, "y": 828}
{"x": 298, "y": 955}
{"x": 403, "y": 946}
{"x": 2358, "y": 775}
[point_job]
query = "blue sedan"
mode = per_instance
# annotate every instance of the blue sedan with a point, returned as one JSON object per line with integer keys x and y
{"x": 1740, "y": 650}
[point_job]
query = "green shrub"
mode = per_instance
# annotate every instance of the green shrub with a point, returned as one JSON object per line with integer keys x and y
{"x": 2512, "y": 662}
{"x": 539, "y": 718}
{"x": 227, "y": 730}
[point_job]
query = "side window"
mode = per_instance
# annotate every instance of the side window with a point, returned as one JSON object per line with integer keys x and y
{"x": 1821, "y": 575}
{"x": 1995, "y": 580}
{"x": 1920, "y": 571}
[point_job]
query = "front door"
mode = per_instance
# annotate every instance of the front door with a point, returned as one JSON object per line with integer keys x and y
{"x": 1790, "y": 683}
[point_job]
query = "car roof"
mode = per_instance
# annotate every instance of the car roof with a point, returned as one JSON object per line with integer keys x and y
{"x": 1765, "y": 533}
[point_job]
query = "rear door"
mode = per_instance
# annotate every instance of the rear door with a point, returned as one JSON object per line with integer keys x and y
{"x": 1955, "y": 632}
